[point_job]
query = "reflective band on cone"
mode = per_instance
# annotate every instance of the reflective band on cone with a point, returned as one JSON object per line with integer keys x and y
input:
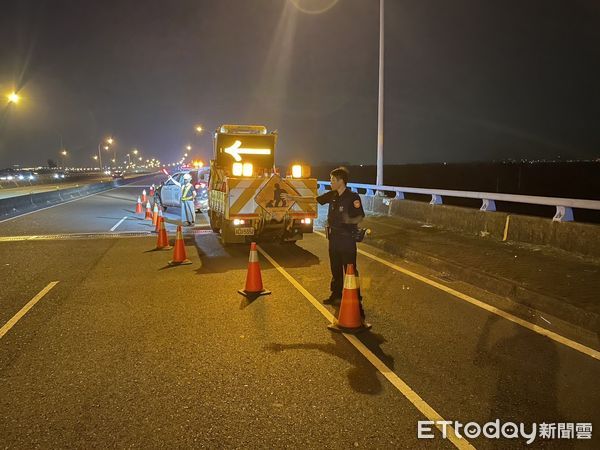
{"x": 179, "y": 255}
{"x": 144, "y": 196}
{"x": 254, "y": 287}
{"x": 148, "y": 212}
{"x": 349, "y": 319}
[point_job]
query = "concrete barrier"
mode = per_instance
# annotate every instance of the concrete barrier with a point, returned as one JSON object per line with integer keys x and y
{"x": 14, "y": 206}
{"x": 574, "y": 237}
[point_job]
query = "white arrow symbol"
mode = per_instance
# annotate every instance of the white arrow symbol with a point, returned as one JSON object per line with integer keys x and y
{"x": 236, "y": 150}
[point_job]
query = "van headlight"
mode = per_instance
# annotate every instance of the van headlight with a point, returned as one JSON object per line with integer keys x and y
{"x": 237, "y": 169}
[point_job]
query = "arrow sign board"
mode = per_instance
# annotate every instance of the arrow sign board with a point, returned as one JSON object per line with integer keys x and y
{"x": 236, "y": 150}
{"x": 256, "y": 149}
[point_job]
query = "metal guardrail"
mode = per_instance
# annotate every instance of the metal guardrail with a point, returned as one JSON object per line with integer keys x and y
{"x": 564, "y": 206}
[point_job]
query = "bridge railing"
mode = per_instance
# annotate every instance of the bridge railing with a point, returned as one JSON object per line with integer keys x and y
{"x": 564, "y": 206}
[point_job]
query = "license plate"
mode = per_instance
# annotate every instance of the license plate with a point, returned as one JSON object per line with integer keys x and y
{"x": 244, "y": 231}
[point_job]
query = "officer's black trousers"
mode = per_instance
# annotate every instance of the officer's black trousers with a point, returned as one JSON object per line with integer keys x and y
{"x": 342, "y": 251}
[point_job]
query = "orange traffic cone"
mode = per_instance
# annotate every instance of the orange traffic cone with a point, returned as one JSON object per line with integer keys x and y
{"x": 254, "y": 286}
{"x": 144, "y": 197}
{"x": 159, "y": 219}
{"x": 152, "y": 191}
{"x": 155, "y": 214}
{"x": 138, "y": 206}
{"x": 179, "y": 256}
{"x": 349, "y": 319}
{"x": 162, "y": 243}
{"x": 148, "y": 212}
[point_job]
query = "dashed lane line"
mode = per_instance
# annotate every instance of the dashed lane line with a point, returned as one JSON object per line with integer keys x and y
{"x": 118, "y": 223}
{"x": 467, "y": 298}
{"x": 8, "y": 325}
{"x": 394, "y": 379}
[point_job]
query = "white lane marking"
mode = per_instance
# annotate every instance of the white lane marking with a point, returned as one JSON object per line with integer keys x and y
{"x": 58, "y": 204}
{"x": 8, "y": 325}
{"x": 394, "y": 379}
{"x": 118, "y": 223}
{"x": 508, "y": 316}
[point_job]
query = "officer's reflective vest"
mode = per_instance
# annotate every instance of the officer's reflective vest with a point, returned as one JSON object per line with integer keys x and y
{"x": 184, "y": 194}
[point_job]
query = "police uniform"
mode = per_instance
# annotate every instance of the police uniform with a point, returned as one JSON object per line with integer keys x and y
{"x": 342, "y": 244}
{"x": 188, "y": 209}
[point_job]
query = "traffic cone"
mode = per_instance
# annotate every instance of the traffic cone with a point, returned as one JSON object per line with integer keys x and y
{"x": 138, "y": 206}
{"x": 148, "y": 212}
{"x": 152, "y": 191}
{"x": 144, "y": 196}
{"x": 179, "y": 256}
{"x": 349, "y": 320}
{"x": 159, "y": 219}
{"x": 155, "y": 214}
{"x": 162, "y": 242}
{"x": 254, "y": 287}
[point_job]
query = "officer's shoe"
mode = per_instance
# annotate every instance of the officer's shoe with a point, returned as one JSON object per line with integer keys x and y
{"x": 333, "y": 298}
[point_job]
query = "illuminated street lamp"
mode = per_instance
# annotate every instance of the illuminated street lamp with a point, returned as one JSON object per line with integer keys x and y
{"x": 135, "y": 151}
{"x": 199, "y": 128}
{"x": 188, "y": 148}
{"x": 63, "y": 153}
{"x": 13, "y": 97}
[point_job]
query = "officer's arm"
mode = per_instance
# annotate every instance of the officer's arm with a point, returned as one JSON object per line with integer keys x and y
{"x": 356, "y": 212}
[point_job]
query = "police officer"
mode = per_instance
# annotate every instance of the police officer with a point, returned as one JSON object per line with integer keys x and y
{"x": 344, "y": 215}
{"x": 188, "y": 194}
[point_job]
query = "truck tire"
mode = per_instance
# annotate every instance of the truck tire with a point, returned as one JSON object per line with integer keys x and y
{"x": 214, "y": 222}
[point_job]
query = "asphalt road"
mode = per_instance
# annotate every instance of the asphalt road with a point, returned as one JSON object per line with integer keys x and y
{"x": 126, "y": 351}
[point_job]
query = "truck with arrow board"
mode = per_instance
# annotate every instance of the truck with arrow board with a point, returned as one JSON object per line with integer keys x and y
{"x": 245, "y": 189}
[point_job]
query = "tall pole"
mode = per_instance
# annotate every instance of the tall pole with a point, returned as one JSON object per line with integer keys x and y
{"x": 100, "y": 155}
{"x": 380, "y": 102}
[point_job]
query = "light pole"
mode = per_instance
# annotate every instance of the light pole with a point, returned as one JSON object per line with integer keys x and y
{"x": 379, "y": 181}
{"x": 64, "y": 157}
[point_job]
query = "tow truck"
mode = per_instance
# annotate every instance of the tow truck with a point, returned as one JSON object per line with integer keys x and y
{"x": 245, "y": 187}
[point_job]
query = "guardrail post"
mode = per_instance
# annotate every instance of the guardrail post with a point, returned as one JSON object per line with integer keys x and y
{"x": 370, "y": 192}
{"x": 563, "y": 214}
{"x": 435, "y": 199}
{"x": 353, "y": 189}
{"x": 399, "y": 195}
{"x": 488, "y": 205}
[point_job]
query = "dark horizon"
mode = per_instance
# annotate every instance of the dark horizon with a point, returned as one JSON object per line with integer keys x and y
{"x": 466, "y": 81}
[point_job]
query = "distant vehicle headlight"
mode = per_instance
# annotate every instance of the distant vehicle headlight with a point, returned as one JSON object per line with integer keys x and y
{"x": 56, "y": 175}
{"x": 31, "y": 177}
{"x": 21, "y": 177}
{"x": 62, "y": 176}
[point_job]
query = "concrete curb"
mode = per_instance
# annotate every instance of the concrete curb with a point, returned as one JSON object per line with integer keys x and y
{"x": 555, "y": 306}
{"x": 14, "y": 206}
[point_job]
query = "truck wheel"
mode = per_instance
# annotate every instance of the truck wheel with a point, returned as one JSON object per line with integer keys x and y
{"x": 214, "y": 223}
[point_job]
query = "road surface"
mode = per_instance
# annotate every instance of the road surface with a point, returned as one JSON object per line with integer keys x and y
{"x": 104, "y": 345}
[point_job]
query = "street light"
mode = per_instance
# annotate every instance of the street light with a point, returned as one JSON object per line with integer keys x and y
{"x": 63, "y": 152}
{"x": 188, "y": 148}
{"x": 135, "y": 151}
{"x": 199, "y": 128}
{"x": 13, "y": 97}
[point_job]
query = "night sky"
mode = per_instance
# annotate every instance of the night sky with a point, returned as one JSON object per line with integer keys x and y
{"x": 466, "y": 80}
